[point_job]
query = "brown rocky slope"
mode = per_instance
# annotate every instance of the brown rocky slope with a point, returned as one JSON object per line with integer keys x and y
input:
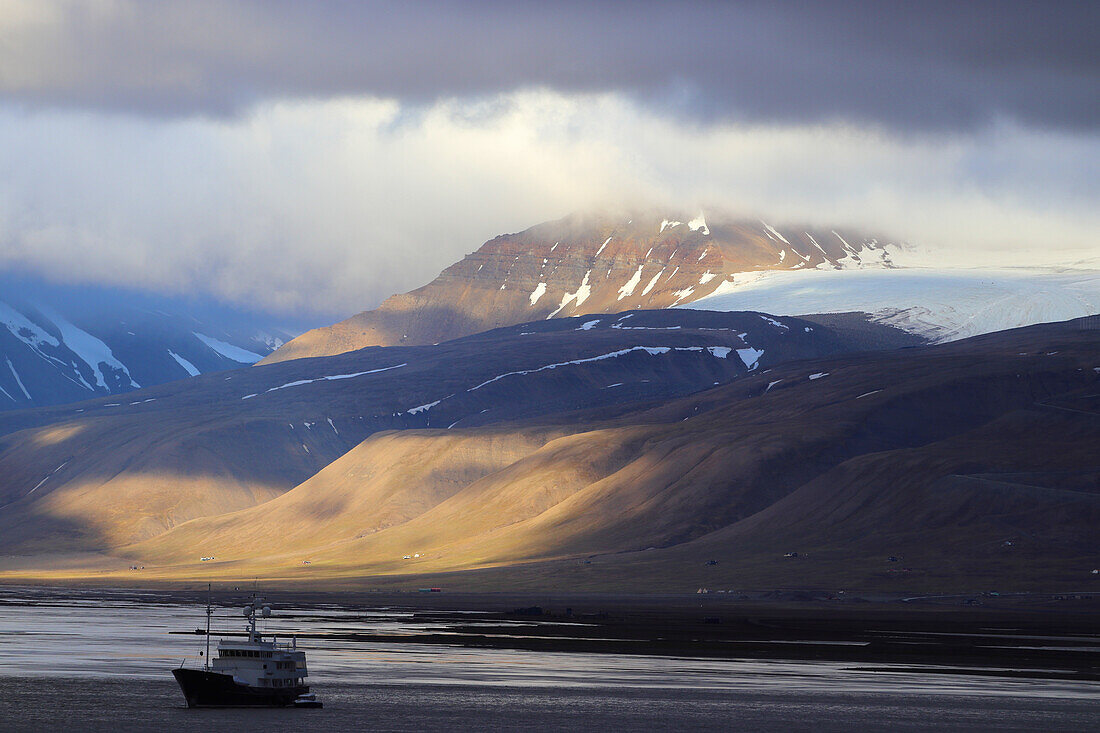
{"x": 586, "y": 264}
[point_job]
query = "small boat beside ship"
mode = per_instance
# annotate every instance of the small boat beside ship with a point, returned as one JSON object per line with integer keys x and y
{"x": 252, "y": 672}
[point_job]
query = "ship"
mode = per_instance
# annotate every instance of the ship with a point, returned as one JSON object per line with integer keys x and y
{"x": 256, "y": 672}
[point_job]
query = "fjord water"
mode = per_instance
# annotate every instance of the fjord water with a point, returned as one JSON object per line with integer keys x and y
{"x": 101, "y": 661}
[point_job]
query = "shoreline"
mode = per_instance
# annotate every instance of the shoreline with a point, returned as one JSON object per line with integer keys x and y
{"x": 1022, "y": 637}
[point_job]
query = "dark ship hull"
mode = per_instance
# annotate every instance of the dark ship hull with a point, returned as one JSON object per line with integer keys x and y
{"x": 213, "y": 689}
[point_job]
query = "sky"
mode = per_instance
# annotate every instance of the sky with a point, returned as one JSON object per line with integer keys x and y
{"x": 318, "y": 157}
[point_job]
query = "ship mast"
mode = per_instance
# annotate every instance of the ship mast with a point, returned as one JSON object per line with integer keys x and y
{"x": 257, "y": 606}
{"x": 209, "y": 612}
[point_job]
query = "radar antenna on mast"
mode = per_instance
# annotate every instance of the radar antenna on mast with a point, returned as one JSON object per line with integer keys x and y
{"x": 257, "y": 607}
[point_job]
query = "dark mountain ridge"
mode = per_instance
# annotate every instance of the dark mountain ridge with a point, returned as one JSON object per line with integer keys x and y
{"x": 938, "y": 454}
{"x": 218, "y": 442}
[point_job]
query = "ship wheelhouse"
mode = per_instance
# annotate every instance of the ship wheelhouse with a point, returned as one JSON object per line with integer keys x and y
{"x": 262, "y": 663}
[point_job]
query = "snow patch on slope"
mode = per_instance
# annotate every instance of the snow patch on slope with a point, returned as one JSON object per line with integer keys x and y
{"x": 331, "y": 377}
{"x": 17, "y": 380}
{"x": 750, "y": 357}
{"x": 681, "y": 294}
{"x": 628, "y": 289}
{"x": 777, "y": 324}
{"x": 24, "y": 329}
{"x": 653, "y": 282}
{"x": 583, "y": 291}
{"x": 229, "y": 351}
{"x": 770, "y": 230}
{"x": 651, "y": 350}
{"x": 190, "y": 368}
{"x": 89, "y": 349}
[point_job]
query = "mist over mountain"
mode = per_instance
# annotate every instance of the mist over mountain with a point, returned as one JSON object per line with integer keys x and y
{"x": 590, "y": 263}
{"x": 603, "y": 263}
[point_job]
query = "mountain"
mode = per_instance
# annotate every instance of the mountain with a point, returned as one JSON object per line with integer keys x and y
{"x": 105, "y": 473}
{"x": 588, "y": 264}
{"x": 973, "y": 464}
{"x": 939, "y": 304}
{"x": 63, "y": 345}
{"x": 602, "y": 264}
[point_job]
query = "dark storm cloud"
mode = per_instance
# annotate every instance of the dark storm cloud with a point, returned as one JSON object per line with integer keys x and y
{"x": 920, "y": 65}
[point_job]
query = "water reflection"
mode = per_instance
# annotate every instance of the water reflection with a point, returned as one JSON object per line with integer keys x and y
{"x": 78, "y": 635}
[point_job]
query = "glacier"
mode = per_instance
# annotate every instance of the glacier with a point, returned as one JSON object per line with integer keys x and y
{"x": 941, "y": 304}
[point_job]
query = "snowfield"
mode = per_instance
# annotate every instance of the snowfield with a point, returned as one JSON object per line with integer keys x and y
{"x": 329, "y": 378}
{"x": 940, "y": 304}
{"x": 229, "y": 351}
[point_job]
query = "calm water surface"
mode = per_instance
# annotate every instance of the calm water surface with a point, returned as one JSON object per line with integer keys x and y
{"x": 102, "y": 662}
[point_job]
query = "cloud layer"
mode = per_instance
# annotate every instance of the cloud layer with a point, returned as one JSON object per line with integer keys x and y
{"x": 927, "y": 65}
{"x": 317, "y": 157}
{"x": 331, "y": 206}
